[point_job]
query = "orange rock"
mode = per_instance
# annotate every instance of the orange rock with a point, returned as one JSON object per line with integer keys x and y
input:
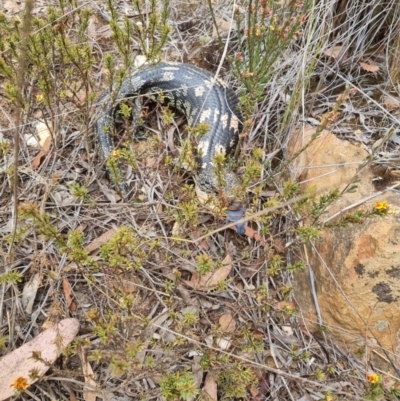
{"x": 356, "y": 269}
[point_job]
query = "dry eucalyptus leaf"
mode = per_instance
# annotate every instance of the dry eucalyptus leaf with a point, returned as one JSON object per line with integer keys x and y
{"x": 29, "y": 293}
{"x": 333, "y": 51}
{"x": 211, "y": 280}
{"x": 81, "y": 97}
{"x": 391, "y": 102}
{"x": 198, "y": 372}
{"x": 227, "y": 323}
{"x": 68, "y": 294}
{"x": 369, "y": 66}
{"x": 37, "y": 161}
{"x": 63, "y": 198}
{"x": 284, "y": 304}
{"x": 210, "y": 387}
{"x": 170, "y": 141}
{"x": 254, "y": 392}
{"x": 103, "y": 239}
{"x": 111, "y": 195}
{"x": 88, "y": 395}
{"x": 16, "y": 367}
{"x": 252, "y": 234}
{"x": 127, "y": 286}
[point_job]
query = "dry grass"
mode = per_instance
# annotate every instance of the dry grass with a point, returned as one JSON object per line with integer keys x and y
{"x": 139, "y": 323}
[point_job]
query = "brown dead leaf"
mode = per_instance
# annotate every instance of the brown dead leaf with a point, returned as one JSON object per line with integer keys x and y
{"x": 126, "y": 286}
{"x": 82, "y": 227}
{"x": 210, "y": 387}
{"x": 253, "y": 235}
{"x": 170, "y": 141}
{"x": 81, "y": 97}
{"x": 88, "y": 374}
{"x": 104, "y": 238}
{"x": 17, "y": 366}
{"x": 71, "y": 393}
{"x": 369, "y": 66}
{"x": 334, "y": 51}
{"x": 227, "y": 323}
{"x": 210, "y": 280}
{"x": 110, "y": 194}
{"x": 279, "y": 245}
{"x": 391, "y": 102}
{"x": 283, "y": 304}
{"x": 249, "y": 269}
{"x": 254, "y": 392}
{"x": 260, "y": 392}
{"x": 204, "y": 244}
{"x": 68, "y": 295}
{"x": 37, "y": 161}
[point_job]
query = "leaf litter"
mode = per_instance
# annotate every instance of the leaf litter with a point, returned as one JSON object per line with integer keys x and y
{"x": 147, "y": 305}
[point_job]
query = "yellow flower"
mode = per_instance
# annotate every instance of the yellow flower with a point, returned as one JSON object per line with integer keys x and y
{"x": 115, "y": 153}
{"x": 39, "y": 97}
{"x": 383, "y": 206}
{"x": 20, "y": 384}
{"x": 373, "y": 378}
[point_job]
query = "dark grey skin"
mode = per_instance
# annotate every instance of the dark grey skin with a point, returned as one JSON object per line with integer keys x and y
{"x": 196, "y": 94}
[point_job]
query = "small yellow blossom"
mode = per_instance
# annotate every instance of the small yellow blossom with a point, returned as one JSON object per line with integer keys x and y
{"x": 115, "y": 153}
{"x": 39, "y": 97}
{"x": 20, "y": 384}
{"x": 381, "y": 206}
{"x": 373, "y": 378}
